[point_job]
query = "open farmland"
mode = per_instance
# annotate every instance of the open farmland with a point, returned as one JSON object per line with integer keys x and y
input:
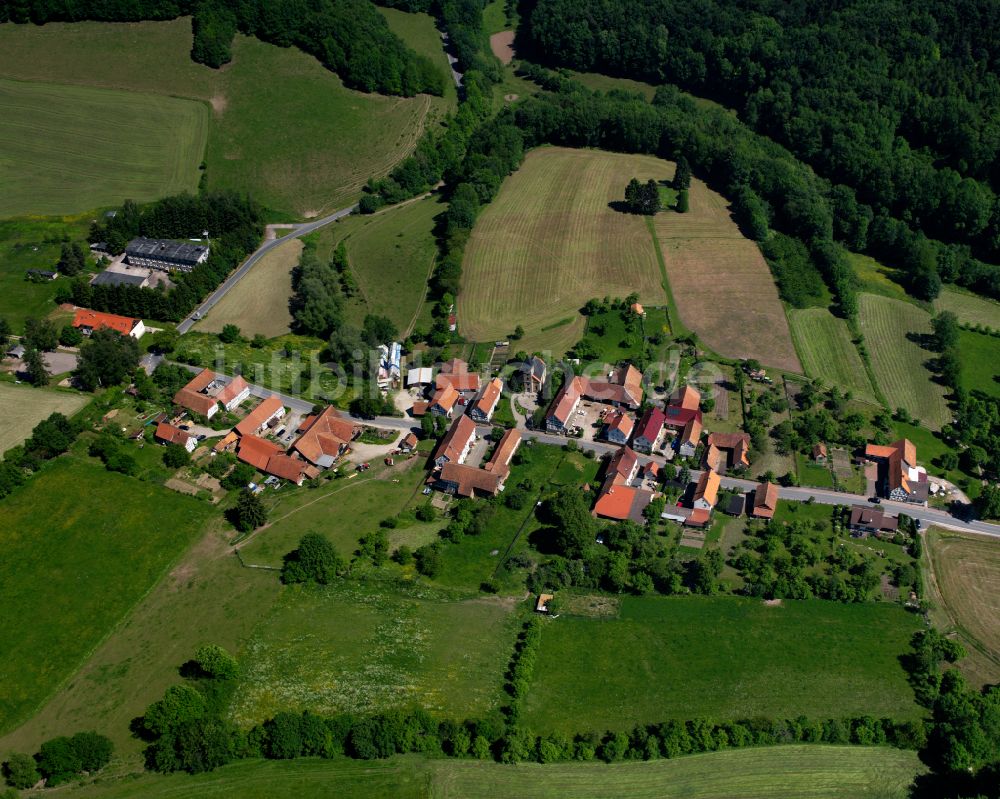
{"x": 358, "y": 649}
{"x": 81, "y": 546}
{"x": 758, "y": 661}
{"x": 549, "y": 242}
{"x": 71, "y": 148}
{"x": 899, "y": 363}
{"x": 25, "y": 407}
{"x": 391, "y": 254}
{"x": 778, "y": 772}
{"x": 259, "y": 302}
{"x": 281, "y": 127}
{"x": 969, "y": 308}
{"x": 980, "y": 360}
{"x": 721, "y": 283}
{"x": 966, "y": 579}
{"x": 827, "y": 352}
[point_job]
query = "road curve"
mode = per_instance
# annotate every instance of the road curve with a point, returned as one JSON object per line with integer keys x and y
{"x": 213, "y": 298}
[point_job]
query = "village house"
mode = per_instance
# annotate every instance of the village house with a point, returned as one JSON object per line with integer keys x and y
{"x": 649, "y": 433}
{"x": 624, "y": 464}
{"x": 468, "y": 481}
{"x": 618, "y": 427}
{"x": 264, "y": 415}
{"x": 455, "y": 373}
{"x": 706, "y": 491}
{"x": 622, "y": 388}
{"x": 456, "y": 443}
{"x": 617, "y": 499}
{"x": 765, "y": 501}
{"x": 727, "y": 451}
{"x": 233, "y": 393}
{"x": 684, "y": 406}
{"x": 687, "y": 442}
{"x": 819, "y": 452}
{"x": 899, "y": 476}
{"x": 408, "y": 443}
{"x": 194, "y": 395}
{"x": 325, "y": 437}
{"x": 443, "y": 402}
{"x": 87, "y": 321}
{"x": 651, "y": 471}
{"x": 167, "y": 433}
{"x": 867, "y": 520}
{"x": 268, "y": 457}
{"x": 483, "y": 408}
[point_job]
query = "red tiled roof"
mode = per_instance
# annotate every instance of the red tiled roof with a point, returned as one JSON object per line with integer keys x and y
{"x": 708, "y": 487}
{"x": 623, "y": 462}
{"x": 468, "y": 479}
{"x": 621, "y": 423}
{"x": 445, "y": 397}
{"x": 456, "y": 439}
{"x": 500, "y": 461}
{"x": 488, "y": 399}
{"x": 651, "y": 424}
{"x": 819, "y": 450}
{"x": 172, "y": 435}
{"x": 688, "y": 398}
{"x": 455, "y": 373}
{"x": 566, "y": 399}
{"x": 409, "y": 440}
{"x": 765, "y": 500}
{"x": 324, "y": 434}
{"x": 739, "y": 443}
{"x": 256, "y": 451}
{"x": 698, "y": 517}
{"x": 259, "y": 416}
{"x": 190, "y": 395}
{"x": 95, "y": 320}
{"x": 232, "y": 390}
{"x": 692, "y": 431}
{"x": 678, "y": 417}
{"x": 619, "y": 501}
{"x": 286, "y": 467}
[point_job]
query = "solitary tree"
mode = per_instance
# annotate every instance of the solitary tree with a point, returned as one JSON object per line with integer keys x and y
{"x": 40, "y": 334}
{"x": 34, "y": 367}
{"x": 250, "y": 511}
{"x": 230, "y": 334}
{"x": 682, "y": 175}
{"x": 70, "y": 336}
{"x": 20, "y": 771}
{"x": 175, "y": 456}
{"x": 682, "y": 201}
{"x": 72, "y": 260}
{"x": 315, "y": 560}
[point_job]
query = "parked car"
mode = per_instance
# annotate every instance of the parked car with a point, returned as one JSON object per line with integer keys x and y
{"x": 875, "y": 500}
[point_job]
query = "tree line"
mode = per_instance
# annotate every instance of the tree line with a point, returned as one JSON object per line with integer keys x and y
{"x": 899, "y": 101}
{"x": 348, "y": 37}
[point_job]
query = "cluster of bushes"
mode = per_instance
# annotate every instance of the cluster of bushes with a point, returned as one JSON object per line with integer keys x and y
{"x": 59, "y": 760}
{"x": 348, "y": 37}
{"x": 825, "y": 416}
{"x": 113, "y": 453}
{"x": 49, "y": 439}
{"x": 317, "y": 301}
{"x": 314, "y": 561}
{"x": 235, "y": 224}
{"x": 521, "y": 670}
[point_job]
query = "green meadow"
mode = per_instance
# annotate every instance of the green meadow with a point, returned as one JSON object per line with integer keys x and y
{"x": 81, "y": 546}
{"x": 720, "y": 658}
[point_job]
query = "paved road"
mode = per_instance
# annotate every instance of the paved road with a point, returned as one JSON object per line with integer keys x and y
{"x": 927, "y": 516}
{"x": 247, "y": 265}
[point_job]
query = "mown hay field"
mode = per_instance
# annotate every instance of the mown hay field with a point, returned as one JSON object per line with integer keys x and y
{"x": 969, "y": 308}
{"x": 899, "y": 364}
{"x": 778, "y": 772}
{"x": 81, "y": 546}
{"x": 259, "y": 302}
{"x": 70, "y": 148}
{"x": 825, "y": 348}
{"x": 721, "y": 284}
{"x": 966, "y": 572}
{"x": 550, "y": 241}
{"x": 980, "y": 362}
{"x": 25, "y": 407}
{"x": 281, "y": 126}
{"x": 814, "y": 658}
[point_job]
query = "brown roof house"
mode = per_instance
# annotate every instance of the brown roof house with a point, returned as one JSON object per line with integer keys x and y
{"x": 324, "y": 437}
{"x": 765, "y": 501}
{"x": 168, "y": 434}
{"x": 819, "y": 452}
{"x": 899, "y": 476}
{"x": 706, "y": 491}
{"x": 198, "y": 395}
{"x": 468, "y": 481}
{"x": 559, "y": 418}
{"x": 264, "y": 415}
{"x": 484, "y": 406}
{"x": 455, "y": 446}
{"x": 682, "y": 408}
{"x": 455, "y": 373}
{"x": 650, "y": 430}
{"x": 409, "y": 443}
{"x": 727, "y": 451}
{"x": 871, "y": 521}
{"x": 443, "y": 401}
{"x": 618, "y": 427}
{"x": 687, "y": 442}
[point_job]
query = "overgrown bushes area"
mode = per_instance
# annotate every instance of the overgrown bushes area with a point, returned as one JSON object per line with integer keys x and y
{"x": 348, "y": 37}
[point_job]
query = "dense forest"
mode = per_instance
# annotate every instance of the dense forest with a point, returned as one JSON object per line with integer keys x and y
{"x": 896, "y": 105}
{"x": 349, "y": 37}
